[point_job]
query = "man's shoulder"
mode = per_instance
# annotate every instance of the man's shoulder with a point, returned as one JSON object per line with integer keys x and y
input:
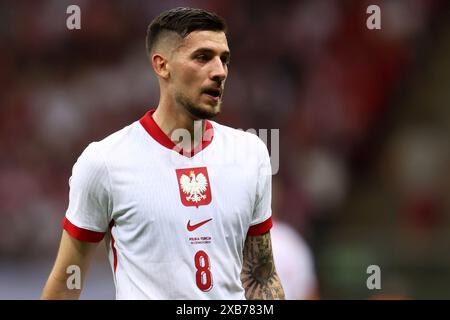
{"x": 114, "y": 141}
{"x": 247, "y": 144}
{"x": 233, "y": 133}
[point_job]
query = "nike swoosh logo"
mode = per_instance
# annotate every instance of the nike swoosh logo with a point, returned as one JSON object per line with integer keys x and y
{"x": 197, "y": 225}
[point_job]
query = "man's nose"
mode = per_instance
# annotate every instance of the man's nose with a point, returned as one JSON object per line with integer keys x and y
{"x": 219, "y": 70}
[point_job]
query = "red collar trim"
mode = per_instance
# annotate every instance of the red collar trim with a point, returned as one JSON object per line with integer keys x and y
{"x": 156, "y": 133}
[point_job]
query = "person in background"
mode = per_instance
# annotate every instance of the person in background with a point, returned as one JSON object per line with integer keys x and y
{"x": 292, "y": 254}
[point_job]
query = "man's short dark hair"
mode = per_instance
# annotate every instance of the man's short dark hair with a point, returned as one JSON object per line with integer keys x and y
{"x": 183, "y": 21}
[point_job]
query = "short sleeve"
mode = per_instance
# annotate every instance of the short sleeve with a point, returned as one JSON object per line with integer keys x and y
{"x": 262, "y": 213}
{"x": 87, "y": 216}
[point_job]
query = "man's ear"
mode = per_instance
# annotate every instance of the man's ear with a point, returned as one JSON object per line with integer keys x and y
{"x": 159, "y": 63}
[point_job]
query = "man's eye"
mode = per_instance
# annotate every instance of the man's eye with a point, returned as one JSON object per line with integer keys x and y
{"x": 201, "y": 57}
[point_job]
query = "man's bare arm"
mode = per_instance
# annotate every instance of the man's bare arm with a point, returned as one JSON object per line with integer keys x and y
{"x": 71, "y": 252}
{"x": 259, "y": 276}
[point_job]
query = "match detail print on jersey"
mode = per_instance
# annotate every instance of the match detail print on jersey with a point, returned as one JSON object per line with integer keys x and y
{"x": 195, "y": 189}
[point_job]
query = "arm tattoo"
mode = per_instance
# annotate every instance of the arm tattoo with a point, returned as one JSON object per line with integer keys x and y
{"x": 258, "y": 276}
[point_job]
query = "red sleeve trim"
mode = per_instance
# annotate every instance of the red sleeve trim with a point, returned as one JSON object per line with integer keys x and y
{"x": 260, "y": 228}
{"x": 82, "y": 234}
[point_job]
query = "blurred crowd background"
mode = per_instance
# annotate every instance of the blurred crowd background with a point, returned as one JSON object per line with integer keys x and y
{"x": 364, "y": 119}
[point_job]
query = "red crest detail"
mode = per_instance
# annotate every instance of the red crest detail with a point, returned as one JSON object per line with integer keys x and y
{"x": 195, "y": 189}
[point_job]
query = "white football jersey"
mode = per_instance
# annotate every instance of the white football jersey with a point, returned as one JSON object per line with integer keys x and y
{"x": 174, "y": 224}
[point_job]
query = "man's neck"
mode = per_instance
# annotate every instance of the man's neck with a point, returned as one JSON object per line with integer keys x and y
{"x": 179, "y": 125}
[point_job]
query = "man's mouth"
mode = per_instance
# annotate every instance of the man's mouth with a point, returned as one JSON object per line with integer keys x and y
{"x": 213, "y": 92}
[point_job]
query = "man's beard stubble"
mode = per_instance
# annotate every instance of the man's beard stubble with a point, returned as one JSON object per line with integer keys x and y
{"x": 196, "y": 110}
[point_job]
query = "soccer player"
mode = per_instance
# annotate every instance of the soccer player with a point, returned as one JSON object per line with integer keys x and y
{"x": 184, "y": 210}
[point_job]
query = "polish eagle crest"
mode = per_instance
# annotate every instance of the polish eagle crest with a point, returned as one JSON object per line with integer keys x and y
{"x": 193, "y": 186}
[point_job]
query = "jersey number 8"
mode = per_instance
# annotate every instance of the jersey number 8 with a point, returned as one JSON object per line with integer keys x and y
{"x": 203, "y": 275}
